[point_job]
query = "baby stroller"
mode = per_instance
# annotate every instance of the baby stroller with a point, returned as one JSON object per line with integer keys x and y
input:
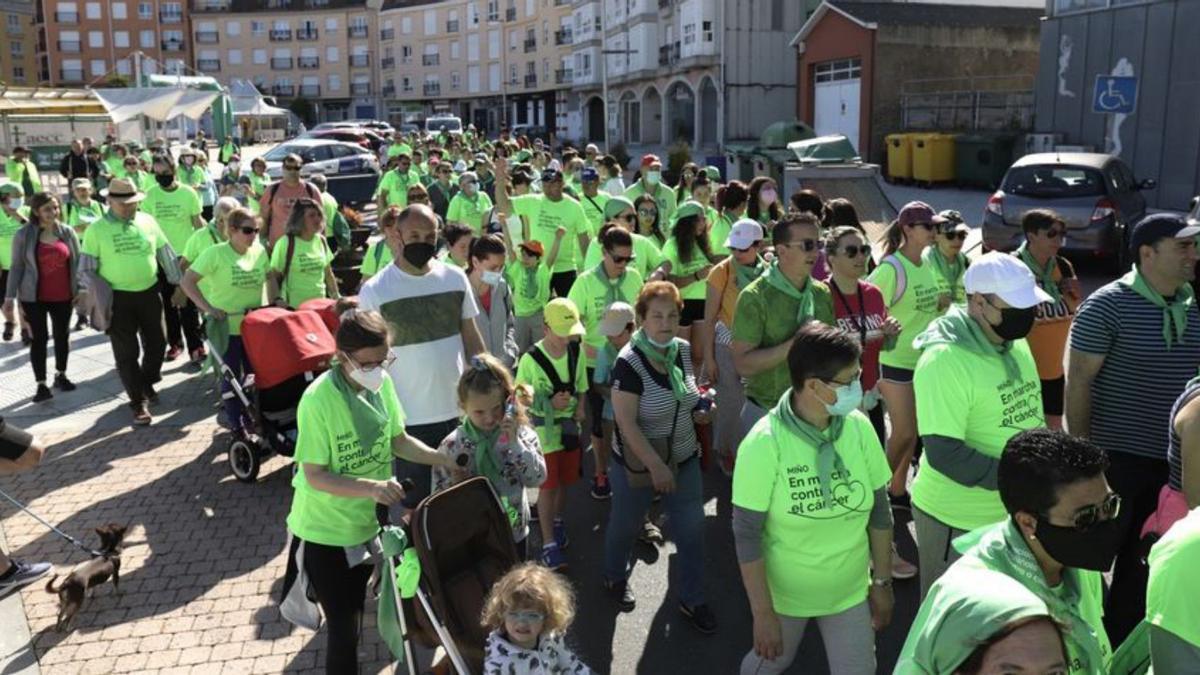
{"x": 464, "y": 543}
{"x": 287, "y": 350}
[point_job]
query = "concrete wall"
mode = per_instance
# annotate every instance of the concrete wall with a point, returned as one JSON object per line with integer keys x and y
{"x": 1156, "y": 43}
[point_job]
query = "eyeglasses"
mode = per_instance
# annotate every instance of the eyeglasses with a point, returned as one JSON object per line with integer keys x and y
{"x": 248, "y": 230}
{"x": 1054, "y": 233}
{"x": 852, "y": 251}
{"x": 525, "y": 617}
{"x": 961, "y": 236}
{"x": 1093, "y": 514}
{"x": 385, "y": 363}
{"x": 806, "y": 245}
{"x": 835, "y": 383}
{"x": 647, "y": 214}
{"x": 621, "y": 260}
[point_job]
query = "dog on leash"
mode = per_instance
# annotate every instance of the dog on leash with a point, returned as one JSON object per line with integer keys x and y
{"x": 77, "y": 585}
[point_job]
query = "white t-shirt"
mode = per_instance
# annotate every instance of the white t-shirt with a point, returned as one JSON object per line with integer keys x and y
{"x": 426, "y": 314}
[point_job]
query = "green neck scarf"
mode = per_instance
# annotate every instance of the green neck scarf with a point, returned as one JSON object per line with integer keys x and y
{"x": 828, "y": 459}
{"x": 776, "y": 279}
{"x": 612, "y": 287}
{"x": 217, "y": 332}
{"x": 747, "y": 273}
{"x": 529, "y": 289}
{"x": 402, "y": 584}
{"x": 366, "y": 408}
{"x": 956, "y": 327}
{"x": 1044, "y": 273}
{"x": 1174, "y": 313}
{"x": 952, "y": 272}
{"x": 668, "y": 361}
{"x": 485, "y": 441}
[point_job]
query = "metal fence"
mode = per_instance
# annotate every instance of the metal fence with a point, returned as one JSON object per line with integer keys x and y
{"x": 1003, "y": 103}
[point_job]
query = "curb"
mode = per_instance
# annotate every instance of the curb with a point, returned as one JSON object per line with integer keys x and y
{"x": 16, "y": 650}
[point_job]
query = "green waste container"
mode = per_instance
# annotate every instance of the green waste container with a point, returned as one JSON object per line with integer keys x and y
{"x": 899, "y": 156}
{"x": 982, "y": 159}
{"x": 933, "y": 158}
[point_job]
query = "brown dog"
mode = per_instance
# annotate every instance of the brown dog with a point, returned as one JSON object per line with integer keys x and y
{"x": 76, "y": 587}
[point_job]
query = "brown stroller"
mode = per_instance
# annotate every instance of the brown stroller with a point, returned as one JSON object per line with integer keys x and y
{"x": 464, "y": 543}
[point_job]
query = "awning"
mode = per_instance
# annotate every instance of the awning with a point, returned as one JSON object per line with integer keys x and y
{"x": 193, "y": 103}
{"x": 158, "y": 104}
{"x": 251, "y": 107}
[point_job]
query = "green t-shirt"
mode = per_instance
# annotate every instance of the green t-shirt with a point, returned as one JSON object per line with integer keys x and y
{"x": 694, "y": 290}
{"x": 916, "y": 307}
{"x": 590, "y": 295}
{"x": 327, "y": 437}
{"x": 663, "y": 196}
{"x": 116, "y": 166}
{"x": 530, "y": 291}
{"x": 718, "y": 232}
{"x": 190, "y": 177}
{"x": 143, "y": 179}
{"x": 545, "y": 217}
{"x": 306, "y": 277}
{"x": 237, "y": 282}
{"x": 649, "y": 257}
{"x": 377, "y": 257}
{"x": 530, "y": 373}
{"x": 959, "y": 295}
{"x": 817, "y": 556}
{"x": 593, "y": 210}
{"x": 83, "y": 216}
{"x": 8, "y": 230}
{"x": 126, "y": 251}
{"x": 200, "y": 241}
{"x": 174, "y": 211}
{"x": 963, "y": 395}
{"x": 1173, "y": 596}
{"x": 396, "y": 184}
{"x": 469, "y": 212}
{"x": 766, "y": 317}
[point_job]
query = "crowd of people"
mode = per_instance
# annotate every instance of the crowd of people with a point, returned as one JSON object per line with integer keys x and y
{"x": 524, "y": 308}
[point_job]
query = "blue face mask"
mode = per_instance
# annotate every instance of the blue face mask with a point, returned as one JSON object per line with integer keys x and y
{"x": 849, "y": 397}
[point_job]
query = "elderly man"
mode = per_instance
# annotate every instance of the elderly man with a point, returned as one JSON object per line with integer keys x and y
{"x": 74, "y": 164}
{"x": 431, "y": 308}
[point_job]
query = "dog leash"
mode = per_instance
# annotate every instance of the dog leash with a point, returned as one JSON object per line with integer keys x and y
{"x": 78, "y": 544}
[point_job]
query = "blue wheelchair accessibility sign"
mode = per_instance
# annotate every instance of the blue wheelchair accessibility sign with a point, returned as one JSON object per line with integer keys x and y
{"x": 1114, "y": 94}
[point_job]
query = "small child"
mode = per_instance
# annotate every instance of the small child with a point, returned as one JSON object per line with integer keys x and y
{"x": 497, "y": 440}
{"x": 555, "y": 369}
{"x": 529, "y": 280}
{"x": 617, "y": 327}
{"x": 529, "y": 611}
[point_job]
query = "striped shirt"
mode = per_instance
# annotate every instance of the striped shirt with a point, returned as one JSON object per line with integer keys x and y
{"x": 1175, "y": 449}
{"x": 1136, "y": 387}
{"x": 658, "y": 412}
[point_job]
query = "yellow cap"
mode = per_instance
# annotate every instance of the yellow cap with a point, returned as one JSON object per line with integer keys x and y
{"x": 562, "y": 317}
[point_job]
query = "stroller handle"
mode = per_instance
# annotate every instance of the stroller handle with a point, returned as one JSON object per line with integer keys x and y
{"x": 382, "y": 513}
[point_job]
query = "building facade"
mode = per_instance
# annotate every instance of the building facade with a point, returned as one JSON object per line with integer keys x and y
{"x": 18, "y": 58}
{"x": 1150, "y": 121}
{"x": 82, "y": 42}
{"x": 322, "y": 51}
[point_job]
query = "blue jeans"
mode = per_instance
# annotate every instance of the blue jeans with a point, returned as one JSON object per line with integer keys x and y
{"x": 235, "y": 358}
{"x": 685, "y": 517}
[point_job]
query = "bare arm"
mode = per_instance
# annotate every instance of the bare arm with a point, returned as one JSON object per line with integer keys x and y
{"x": 331, "y": 284}
{"x": 1082, "y": 369}
{"x": 1187, "y": 425}
{"x": 754, "y": 578}
{"x": 413, "y": 450}
{"x": 583, "y": 244}
{"x": 750, "y": 360}
{"x": 472, "y": 340}
{"x": 555, "y": 247}
{"x": 197, "y": 222}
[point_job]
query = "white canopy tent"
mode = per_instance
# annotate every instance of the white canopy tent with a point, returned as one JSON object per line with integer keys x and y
{"x": 155, "y": 103}
{"x": 250, "y": 109}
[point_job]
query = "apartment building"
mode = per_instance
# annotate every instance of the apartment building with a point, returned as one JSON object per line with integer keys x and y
{"x": 18, "y": 59}
{"x": 324, "y": 51}
{"x": 700, "y": 71}
{"x": 491, "y": 62}
{"x": 82, "y": 42}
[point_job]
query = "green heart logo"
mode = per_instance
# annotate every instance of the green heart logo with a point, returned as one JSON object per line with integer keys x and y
{"x": 850, "y": 495}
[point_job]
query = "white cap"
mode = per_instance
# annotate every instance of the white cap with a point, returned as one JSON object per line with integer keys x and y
{"x": 1004, "y": 275}
{"x": 616, "y": 318}
{"x": 744, "y": 233}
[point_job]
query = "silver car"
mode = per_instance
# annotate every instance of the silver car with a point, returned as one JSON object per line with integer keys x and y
{"x": 1096, "y": 194}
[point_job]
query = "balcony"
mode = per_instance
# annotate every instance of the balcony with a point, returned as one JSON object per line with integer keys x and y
{"x": 360, "y": 60}
{"x": 452, "y": 26}
{"x": 357, "y": 31}
{"x": 530, "y": 81}
{"x": 668, "y": 54}
{"x": 69, "y": 46}
{"x": 208, "y": 65}
{"x": 387, "y": 34}
{"x": 281, "y": 63}
{"x": 172, "y": 45}
{"x": 66, "y": 17}
{"x": 170, "y": 17}
{"x": 310, "y": 90}
{"x": 360, "y": 88}
{"x": 510, "y": 14}
{"x": 207, "y": 37}
{"x": 72, "y": 75}
{"x": 563, "y": 37}
{"x": 287, "y": 90}
{"x": 564, "y": 76}
{"x": 530, "y": 46}
{"x": 307, "y": 34}
{"x": 281, "y": 34}
{"x": 210, "y": 6}
{"x": 430, "y": 59}
{"x": 308, "y": 62}
{"x": 388, "y": 63}
{"x": 433, "y": 89}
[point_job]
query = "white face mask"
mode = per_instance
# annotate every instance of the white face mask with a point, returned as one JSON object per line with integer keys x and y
{"x": 233, "y": 166}
{"x": 490, "y": 278}
{"x": 653, "y": 177}
{"x": 15, "y": 203}
{"x": 370, "y": 379}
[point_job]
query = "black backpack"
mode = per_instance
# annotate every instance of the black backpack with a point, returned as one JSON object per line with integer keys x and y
{"x": 543, "y": 361}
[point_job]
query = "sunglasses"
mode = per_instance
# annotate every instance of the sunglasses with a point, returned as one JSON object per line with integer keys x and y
{"x": 1093, "y": 514}
{"x": 291, "y": 167}
{"x": 621, "y": 260}
{"x": 248, "y": 230}
{"x": 1054, "y": 233}
{"x": 530, "y": 254}
{"x": 961, "y": 236}
{"x": 647, "y": 214}
{"x": 852, "y": 251}
{"x": 806, "y": 245}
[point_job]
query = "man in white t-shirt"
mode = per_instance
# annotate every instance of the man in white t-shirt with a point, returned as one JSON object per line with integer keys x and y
{"x": 431, "y": 310}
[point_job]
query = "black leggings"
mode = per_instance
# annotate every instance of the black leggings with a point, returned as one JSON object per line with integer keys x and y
{"x": 60, "y": 320}
{"x": 560, "y": 283}
{"x": 341, "y": 591}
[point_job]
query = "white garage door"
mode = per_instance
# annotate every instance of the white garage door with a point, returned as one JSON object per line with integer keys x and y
{"x": 838, "y": 91}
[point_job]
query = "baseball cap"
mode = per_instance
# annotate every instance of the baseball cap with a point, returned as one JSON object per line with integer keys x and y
{"x": 591, "y": 147}
{"x": 589, "y": 175}
{"x": 616, "y": 205}
{"x": 713, "y": 173}
{"x": 124, "y": 190}
{"x": 688, "y": 208}
{"x": 81, "y": 183}
{"x": 562, "y": 317}
{"x": 744, "y": 233}
{"x": 481, "y": 157}
{"x": 1156, "y": 226}
{"x": 616, "y": 318}
{"x": 551, "y": 175}
{"x": 647, "y": 160}
{"x": 953, "y": 221}
{"x": 534, "y": 246}
{"x": 918, "y": 212}
{"x": 1006, "y": 276}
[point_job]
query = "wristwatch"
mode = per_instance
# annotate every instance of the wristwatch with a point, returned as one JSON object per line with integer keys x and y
{"x": 882, "y": 583}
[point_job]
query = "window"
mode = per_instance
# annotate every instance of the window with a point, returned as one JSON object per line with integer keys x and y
{"x": 260, "y": 56}
{"x": 146, "y": 39}
{"x": 120, "y": 11}
{"x": 331, "y": 54}
{"x": 454, "y": 50}
{"x": 406, "y": 25}
{"x": 235, "y": 57}
{"x": 233, "y": 29}
{"x": 258, "y": 28}
{"x": 95, "y": 39}
{"x": 689, "y": 34}
{"x": 430, "y": 21}
{"x": 145, "y": 11}
{"x": 406, "y": 83}
{"x": 405, "y": 54}
{"x": 121, "y": 39}
{"x": 493, "y": 44}
{"x": 335, "y": 82}
{"x": 18, "y": 74}
{"x": 455, "y": 80}
{"x": 830, "y": 71}
{"x": 472, "y": 14}
{"x": 92, "y": 10}
{"x": 708, "y": 31}
{"x": 124, "y": 67}
{"x": 493, "y": 77}
{"x": 172, "y": 12}
{"x": 99, "y": 67}
{"x": 16, "y": 48}
{"x": 14, "y": 23}
{"x": 493, "y": 10}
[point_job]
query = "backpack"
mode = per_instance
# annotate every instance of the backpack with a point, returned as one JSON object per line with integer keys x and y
{"x": 901, "y": 278}
{"x": 311, "y": 189}
{"x": 543, "y": 361}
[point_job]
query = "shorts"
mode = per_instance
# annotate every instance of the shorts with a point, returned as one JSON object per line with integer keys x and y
{"x": 895, "y": 375}
{"x": 14, "y": 441}
{"x": 595, "y": 404}
{"x": 563, "y": 468}
{"x": 1053, "y": 392}
{"x": 693, "y": 311}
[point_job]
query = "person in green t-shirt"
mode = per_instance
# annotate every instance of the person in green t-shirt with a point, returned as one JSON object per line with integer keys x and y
{"x": 394, "y": 183}
{"x": 772, "y": 308}
{"x": 13, "y": 216}
{"x": 213, "y": 234}
{"x": 337, "y": 230}
{"x": 458, "y": 245}
{"x": 351, "y": 425}
{"x": 730, "y": 206}
{"x": 82, "y": 210}
{"x": 470, "y": 207}
{"x": 228, "y": 150}
{"x": 301, "y": 263}
{"x": 593, "y": 202}
{"x": 718, "y": 230}
{"x": 189, "y": 171}
{"x": 811, "y": 519}
{"x": 177, "y": 209}
{"x": 648, "y": 258}
{"x": 379, "y": 254}
{"x": 530, "y": 282}
{"x": 689, "y": 252}
{"x": 542, "y": 215}
{"x": 651, "y": 184}
{"x": 143, "y": 179}
{"x": 946, "y": 256}
{"x": 613, "y": 280}
{"x": 20, "y": 169}
{"x": 258, "y": 183}
{"x": 1173, "y": 597}
{"x": 1060, "y": 528}
{"x": 976, "y": 385}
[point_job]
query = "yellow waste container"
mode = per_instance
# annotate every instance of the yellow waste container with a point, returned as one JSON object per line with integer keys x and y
{"x": 933, "y": 158}
{"x": 899, "y": 156}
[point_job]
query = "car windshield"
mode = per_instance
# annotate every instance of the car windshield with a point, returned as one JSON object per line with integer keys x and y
{"x": 277, "y": 153}
{"x": 1054, "y": 181}
{"x": 443, "y": 125}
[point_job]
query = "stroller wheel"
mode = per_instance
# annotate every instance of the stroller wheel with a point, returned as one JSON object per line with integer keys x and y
{"x": 244, "y": 461}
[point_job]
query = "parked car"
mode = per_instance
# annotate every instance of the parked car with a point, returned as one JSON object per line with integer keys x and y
{"x": 1096, "y": 194}
{"x": 324, "y": 126}
{"x": 378, "y": 126}
{"x": 357, "y": 135}
{"x": 447, "y": 123}
{"x": 409, "y": 128}
{"x": 329, "y": 157}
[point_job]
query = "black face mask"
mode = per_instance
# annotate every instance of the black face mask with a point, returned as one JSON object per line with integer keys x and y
{"x": 1015, "y": 323}
{"x": 164, "y": 179}
{"x": 1092, "y": 549}
{"x": 418, "y": 253}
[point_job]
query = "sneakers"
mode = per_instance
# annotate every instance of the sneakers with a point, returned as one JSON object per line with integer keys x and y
{"x": 901, "y": 568}
{"x": 26, "y": 338}
{"x": 601, "y": 490}
{"x": 9, "y": 327}
{"x": 651, "y": 534}
{"x": 141, "y": 415}
{"x": 622, "y": 593}
{"x": 81, "y": 323}
{"x": 552, "y": 557}
{"x": 560, "y": 534}
{"x": 21, "y": 574}
{"x": 198, "y": 356}
{"x": 173, "y": 353}
{"x": 43, "y": 393}
{"x": 61, "y": 383}
{"x": 701, "y": 617}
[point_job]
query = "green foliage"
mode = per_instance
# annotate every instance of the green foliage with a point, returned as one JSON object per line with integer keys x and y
{"x": 303, "y": 108}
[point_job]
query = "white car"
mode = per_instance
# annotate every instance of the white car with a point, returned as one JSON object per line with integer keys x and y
{"x": 447, "y": 123}
{"x": 332, "y": 158}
